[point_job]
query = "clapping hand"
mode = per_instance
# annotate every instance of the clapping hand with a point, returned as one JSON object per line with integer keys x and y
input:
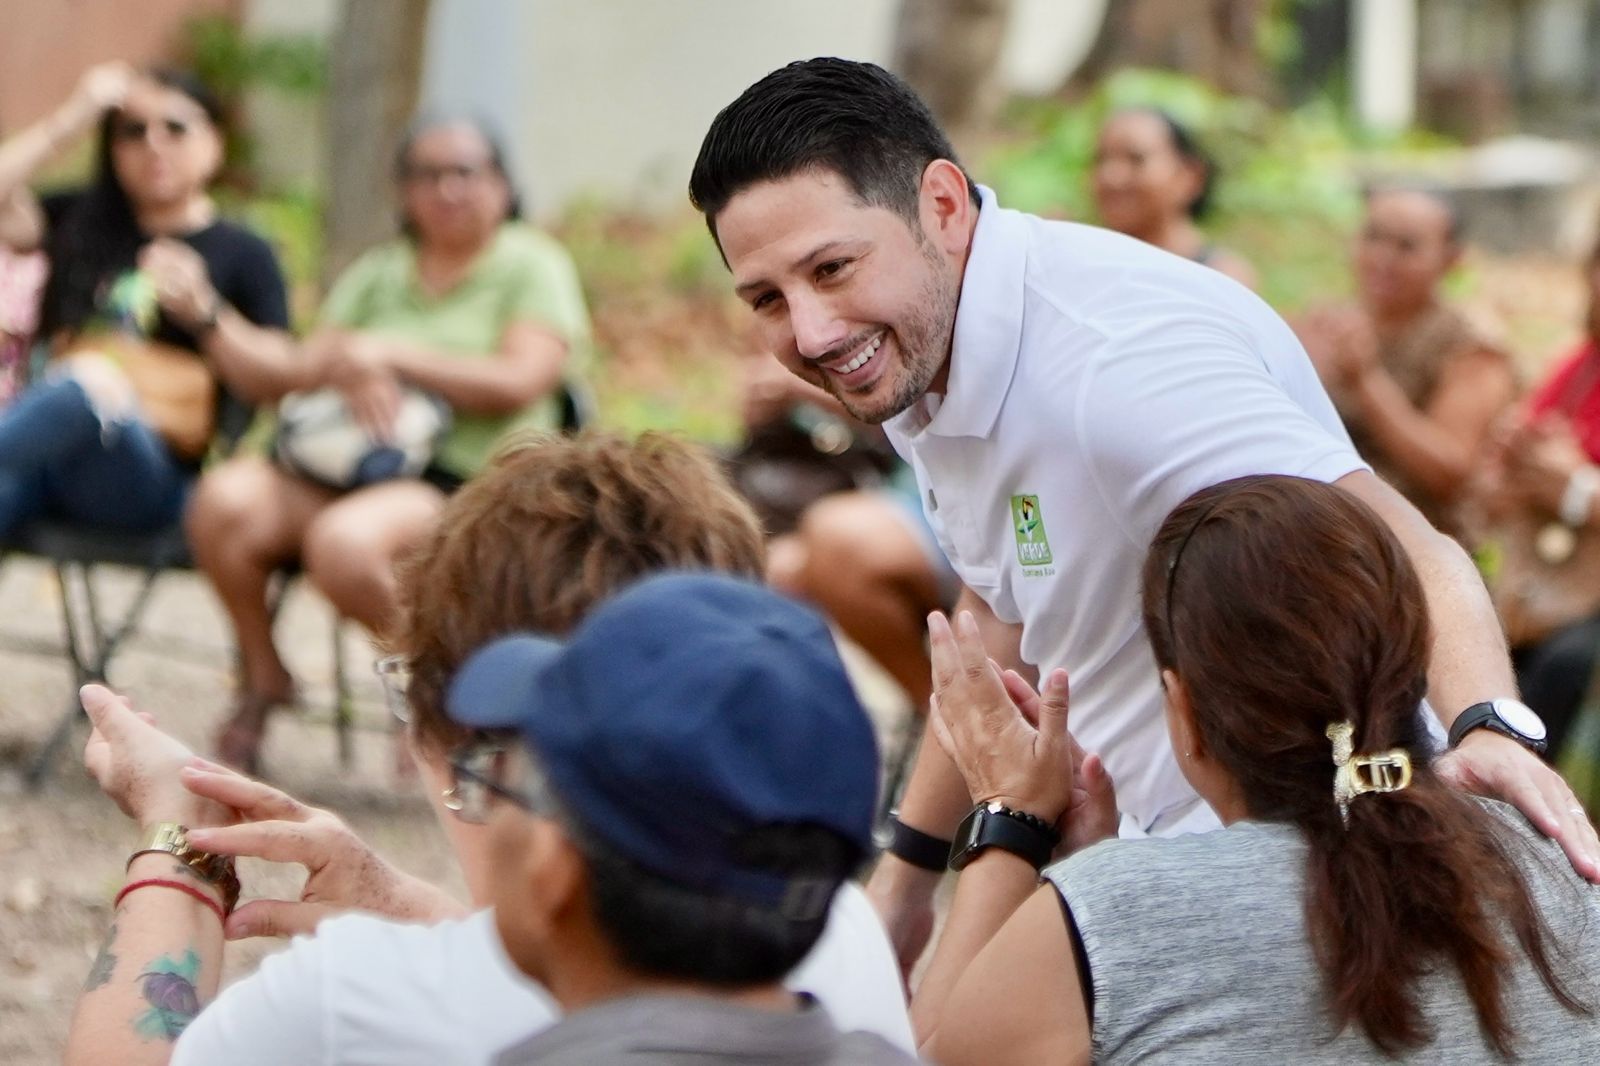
{"x": 1011, "y": 744}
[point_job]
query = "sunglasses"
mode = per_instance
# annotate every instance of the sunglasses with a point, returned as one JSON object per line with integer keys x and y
{"x": 130, "y": 130}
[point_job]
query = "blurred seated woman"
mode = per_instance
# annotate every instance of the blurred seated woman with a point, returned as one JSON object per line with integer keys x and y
{"x": 470, "y": 306}
{"x": 1151, "y": 180}
{"x": 1538, "y": 501}
{"x": 1417, "y": 380}
{"x": 164, "y": 322}
{"x": 1354, "y": 907}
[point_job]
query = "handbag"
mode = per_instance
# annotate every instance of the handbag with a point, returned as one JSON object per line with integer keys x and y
{"x": 176, "y": 391}
{"x": 319, "y": 439}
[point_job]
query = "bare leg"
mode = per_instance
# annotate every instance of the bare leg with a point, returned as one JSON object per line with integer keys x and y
{"x": 352, "y": 546}
{"x": 856, "y": 557}
{"x": 247, "y": 520}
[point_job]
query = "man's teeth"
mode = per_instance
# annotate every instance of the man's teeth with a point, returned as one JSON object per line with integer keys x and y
{"x": 861, "y": 360}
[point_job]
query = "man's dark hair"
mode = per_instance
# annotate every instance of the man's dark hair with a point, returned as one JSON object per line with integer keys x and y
{"x": 665, "y": 929}
{"x": 855, "y": 119}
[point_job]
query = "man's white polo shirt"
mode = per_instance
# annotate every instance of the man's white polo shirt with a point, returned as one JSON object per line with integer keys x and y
{"x": 1095, "y": 383}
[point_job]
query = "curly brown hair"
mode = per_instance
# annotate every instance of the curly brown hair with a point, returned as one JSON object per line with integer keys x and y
{"x": 552, "y": 526}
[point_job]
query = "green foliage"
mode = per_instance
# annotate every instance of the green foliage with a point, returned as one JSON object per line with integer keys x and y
{"x": 231, "y": 62}
{"x": 1287, "y": 190}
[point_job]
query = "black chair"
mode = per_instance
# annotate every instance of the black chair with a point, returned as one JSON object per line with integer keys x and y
{"x": 75, "y": 551}
{"x": 91, "y": 640}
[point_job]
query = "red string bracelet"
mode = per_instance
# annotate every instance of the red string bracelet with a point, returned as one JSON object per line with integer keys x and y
{"x": 164, "y": 882}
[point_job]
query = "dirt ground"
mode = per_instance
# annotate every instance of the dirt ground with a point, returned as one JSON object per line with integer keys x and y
{"x": 62, "y": 848}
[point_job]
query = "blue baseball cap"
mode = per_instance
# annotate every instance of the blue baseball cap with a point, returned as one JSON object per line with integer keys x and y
{"x": 686, "y": 711}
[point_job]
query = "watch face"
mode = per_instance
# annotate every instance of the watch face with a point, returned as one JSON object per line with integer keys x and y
{"x": 1520, "y": 717}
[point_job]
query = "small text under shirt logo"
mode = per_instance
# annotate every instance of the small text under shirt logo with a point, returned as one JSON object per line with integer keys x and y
{"x": 1027, "y": 521}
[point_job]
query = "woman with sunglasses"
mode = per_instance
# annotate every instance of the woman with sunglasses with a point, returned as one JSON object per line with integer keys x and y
{"x": 163, "y": 322}
{"x": 1354, "y": 907}
{"x": 470, "y": 306}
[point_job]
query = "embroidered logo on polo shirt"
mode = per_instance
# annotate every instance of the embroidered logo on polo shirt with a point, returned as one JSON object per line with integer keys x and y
{"x": 1027, "y": 521}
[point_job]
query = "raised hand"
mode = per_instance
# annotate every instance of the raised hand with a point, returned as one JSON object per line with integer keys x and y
{"x": 344, "y": 873}
{"x": 1002, "y": 756}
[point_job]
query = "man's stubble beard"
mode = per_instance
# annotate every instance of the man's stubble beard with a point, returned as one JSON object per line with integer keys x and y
{"x": 923, "y": 341}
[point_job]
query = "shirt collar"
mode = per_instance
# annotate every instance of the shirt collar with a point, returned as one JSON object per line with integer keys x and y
{"x": 988, "y": 330}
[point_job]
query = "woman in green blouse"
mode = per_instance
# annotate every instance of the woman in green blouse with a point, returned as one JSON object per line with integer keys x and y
{"x": 470, "y": 305}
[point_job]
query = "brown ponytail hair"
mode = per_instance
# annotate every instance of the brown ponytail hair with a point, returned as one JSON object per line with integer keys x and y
{"x": 1286, "y": 605}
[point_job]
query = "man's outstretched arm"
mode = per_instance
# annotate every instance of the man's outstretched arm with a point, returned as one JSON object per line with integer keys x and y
{"x": 1469, "y": 664}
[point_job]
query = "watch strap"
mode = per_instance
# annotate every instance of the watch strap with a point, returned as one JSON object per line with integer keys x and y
{"x": 991, "y": 825}
{"x": 922, "y": 850}
{"x": 1486, "y": 716}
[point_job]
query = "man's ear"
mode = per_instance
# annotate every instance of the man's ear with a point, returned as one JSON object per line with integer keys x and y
{"x": 945, "y": 207}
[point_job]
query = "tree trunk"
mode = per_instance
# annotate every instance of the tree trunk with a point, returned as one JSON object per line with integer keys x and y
{"x": 1214, "y": 40}
{"x": 949, "y": 52}
{"x": 375, "y": 74}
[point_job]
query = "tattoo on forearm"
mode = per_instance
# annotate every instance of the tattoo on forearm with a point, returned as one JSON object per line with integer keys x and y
{"x": 169, "y": 989}
{"x": 105, "y": 963}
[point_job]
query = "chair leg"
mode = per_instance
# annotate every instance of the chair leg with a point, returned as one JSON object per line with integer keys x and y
{"x": 89, "y": 649}
{"x": 344, "y": 711}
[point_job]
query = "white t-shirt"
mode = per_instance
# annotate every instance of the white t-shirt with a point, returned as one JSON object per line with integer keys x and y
{"x": 1095, "y": 383}
{"x": 367, "y": 990}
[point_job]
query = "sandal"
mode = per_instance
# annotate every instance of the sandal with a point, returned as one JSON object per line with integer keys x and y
{"x": 238, "y": 744}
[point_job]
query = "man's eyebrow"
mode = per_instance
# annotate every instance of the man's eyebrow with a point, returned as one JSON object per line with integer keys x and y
{"x": 810, "y": 257}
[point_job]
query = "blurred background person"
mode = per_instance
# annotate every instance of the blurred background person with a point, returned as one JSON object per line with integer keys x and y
{"x": 1416, "y": 382}
{"x": 164, "y": 323}
{"x": 1151, "y": 180}
{"x": 1539, "y": 498}
{"x": 470, "y": 306}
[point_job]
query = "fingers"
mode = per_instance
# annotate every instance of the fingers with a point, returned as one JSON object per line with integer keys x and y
{"x": 1022, "y": 695}
{"x": 942, "y": 650}
{"x": 275, "y": 917}
{"x": 970, "y": 652}
{"x": 255, "y": 801}
{"x": 275, "y": 841}
{"x": 1053, "y": 705}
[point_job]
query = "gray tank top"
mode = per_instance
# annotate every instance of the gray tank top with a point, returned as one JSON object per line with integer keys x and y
{"x": 1198, "y": 953}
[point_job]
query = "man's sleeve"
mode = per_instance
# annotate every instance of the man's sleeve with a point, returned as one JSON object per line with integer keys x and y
{"x": 1189, "y": 405}
{"x": 273, "y": 1016}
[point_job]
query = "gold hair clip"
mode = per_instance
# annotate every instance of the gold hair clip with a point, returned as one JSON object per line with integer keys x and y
{"x": 1388, "y": 771}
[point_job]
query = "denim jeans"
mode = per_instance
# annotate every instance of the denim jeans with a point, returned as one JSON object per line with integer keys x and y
{"x": 57, "y": 458}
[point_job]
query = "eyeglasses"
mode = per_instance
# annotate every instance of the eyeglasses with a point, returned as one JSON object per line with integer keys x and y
{"x": 433, "y": 176}
{"x": 394, "y": 673}
{"x": 473, "y": 787}
{"x": 130, "y": 130}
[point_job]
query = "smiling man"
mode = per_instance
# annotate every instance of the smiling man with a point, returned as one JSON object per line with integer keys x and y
{"x": 1066, "y": 379}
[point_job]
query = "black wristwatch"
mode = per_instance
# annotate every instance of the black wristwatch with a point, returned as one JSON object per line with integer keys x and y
{"x": 994, "y": 825}
{"x": 1509, "y": 717}
{"x": 922, "y": 850}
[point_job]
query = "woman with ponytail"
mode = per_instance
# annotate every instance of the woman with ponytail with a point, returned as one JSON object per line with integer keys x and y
{"x": 1354, "y": 907}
